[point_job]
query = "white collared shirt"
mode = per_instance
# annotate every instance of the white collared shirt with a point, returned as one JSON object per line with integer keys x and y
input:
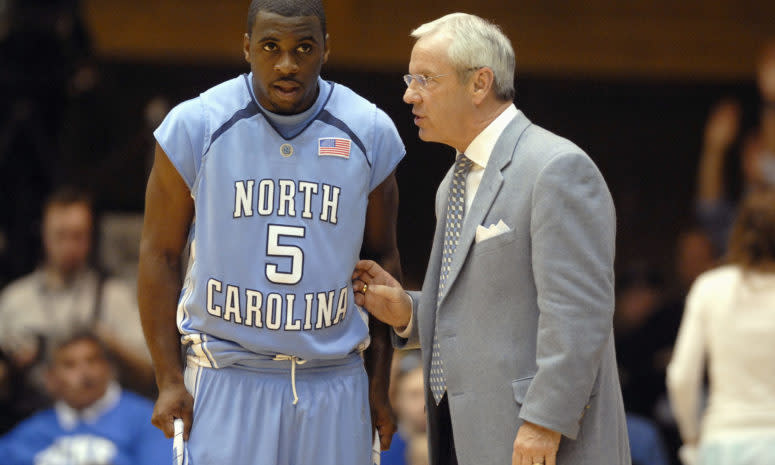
{"x": 69, "y": 417}
{"x": 479, "y": 151}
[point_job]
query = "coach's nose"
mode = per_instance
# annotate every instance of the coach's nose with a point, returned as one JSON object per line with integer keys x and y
{"x": 411, "y": 96}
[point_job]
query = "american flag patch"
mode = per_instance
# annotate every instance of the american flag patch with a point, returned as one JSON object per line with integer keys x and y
{"x": 334, "y": 146}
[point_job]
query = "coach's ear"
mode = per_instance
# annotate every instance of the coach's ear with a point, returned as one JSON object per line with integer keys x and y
{"x": 246, "y": 46}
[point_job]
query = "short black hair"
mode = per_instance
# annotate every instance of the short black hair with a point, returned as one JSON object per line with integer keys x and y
{"x": 288, "y": 8}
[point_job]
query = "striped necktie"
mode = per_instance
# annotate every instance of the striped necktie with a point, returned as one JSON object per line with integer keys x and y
{"x": 454, "y": 224}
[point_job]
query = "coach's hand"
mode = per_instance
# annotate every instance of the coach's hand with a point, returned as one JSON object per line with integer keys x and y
{"x": 174, "y": 402}
{"x": 535, "y": 444}
{"x": 382, "y": 295}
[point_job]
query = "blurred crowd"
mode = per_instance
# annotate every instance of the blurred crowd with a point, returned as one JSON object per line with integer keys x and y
{"x": 71, "y": 345}
{"x": 731, "y": 235}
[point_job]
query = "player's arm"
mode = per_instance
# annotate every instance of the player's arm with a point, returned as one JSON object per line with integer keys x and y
{"x": 380, "y": 245}
{"x": 169, "y": 210}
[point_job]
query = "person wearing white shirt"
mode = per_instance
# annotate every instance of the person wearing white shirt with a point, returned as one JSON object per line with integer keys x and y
{"x": 729, "y": 326}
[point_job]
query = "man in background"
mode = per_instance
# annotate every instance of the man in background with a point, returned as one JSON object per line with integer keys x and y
{"x": 94, "y": 422}
{"x": 66, "y": 292}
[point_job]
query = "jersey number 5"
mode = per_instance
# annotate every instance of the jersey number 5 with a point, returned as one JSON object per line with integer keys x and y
{"x": 275, "y": 249}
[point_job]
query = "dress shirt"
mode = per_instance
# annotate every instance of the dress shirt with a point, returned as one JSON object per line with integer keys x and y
{"x": 478, "y": 151}
{"x": 69, "y": 417}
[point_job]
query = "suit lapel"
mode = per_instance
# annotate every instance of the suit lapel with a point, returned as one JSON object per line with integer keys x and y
{"x": 492, "y": 179}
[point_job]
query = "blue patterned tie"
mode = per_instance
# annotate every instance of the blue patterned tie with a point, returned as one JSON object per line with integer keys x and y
{"x": 452, "y": 228}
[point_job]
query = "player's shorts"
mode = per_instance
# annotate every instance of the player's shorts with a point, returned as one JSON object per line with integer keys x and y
{"x": 245, "y": 415}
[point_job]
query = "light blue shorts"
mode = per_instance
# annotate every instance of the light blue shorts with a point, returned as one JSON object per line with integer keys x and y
{"x": 245, "y": 415}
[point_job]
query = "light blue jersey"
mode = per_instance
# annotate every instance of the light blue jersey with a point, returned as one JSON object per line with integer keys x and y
{"x": 279, "y": 222}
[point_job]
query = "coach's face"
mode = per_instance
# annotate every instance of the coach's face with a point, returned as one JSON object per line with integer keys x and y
{"x": 441, "y": 108}
{"x": 285, "y": 56}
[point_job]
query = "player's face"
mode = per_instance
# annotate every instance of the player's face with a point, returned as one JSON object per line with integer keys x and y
{"x": 285, "y": 56}
{"x": 79, "y": 374}
{"x": 440, "y": 107}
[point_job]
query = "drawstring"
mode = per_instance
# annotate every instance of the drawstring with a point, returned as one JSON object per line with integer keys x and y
{"x": 294, "y": 361}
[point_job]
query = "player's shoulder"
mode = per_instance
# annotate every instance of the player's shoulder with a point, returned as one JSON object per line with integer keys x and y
{"x": 213, "y": 107}
{"x": 228, "y": 97}
{"x": 355, "y": 110}
{"x": 341, "y": 94}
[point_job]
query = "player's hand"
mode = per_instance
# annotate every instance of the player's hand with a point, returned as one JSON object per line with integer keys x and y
{"x": 535, "y": 444}
{"x": 174, "y": 402}
{"x": 384, "y": 297}
{"x": 382, "y": 416}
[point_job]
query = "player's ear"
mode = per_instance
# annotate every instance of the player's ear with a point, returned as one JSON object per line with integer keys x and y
{"x": 246, "y": 46}
{"x": 326, "y": 47}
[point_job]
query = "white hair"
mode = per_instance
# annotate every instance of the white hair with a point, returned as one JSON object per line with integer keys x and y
{"x": 476, "y": 43}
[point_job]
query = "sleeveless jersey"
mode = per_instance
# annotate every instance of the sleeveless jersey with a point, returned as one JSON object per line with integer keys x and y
{"x": 278, "y": 222}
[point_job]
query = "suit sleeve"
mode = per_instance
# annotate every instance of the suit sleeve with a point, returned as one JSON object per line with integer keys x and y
{"x": 572, "y": 234}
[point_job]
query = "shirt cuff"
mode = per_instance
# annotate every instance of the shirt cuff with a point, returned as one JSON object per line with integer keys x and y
{"x": 405, "y": 332}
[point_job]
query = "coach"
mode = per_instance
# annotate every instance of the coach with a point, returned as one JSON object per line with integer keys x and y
{"x": 515, "y": 313}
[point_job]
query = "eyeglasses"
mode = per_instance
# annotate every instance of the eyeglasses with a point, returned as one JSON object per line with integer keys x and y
{"x": 421, "y": 80}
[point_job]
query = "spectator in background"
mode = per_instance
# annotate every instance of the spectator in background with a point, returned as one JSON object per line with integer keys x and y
{"x": 694, "y": 254}
{"x": 646, "y": 322}
{"x": 639, "y": 295}
{"x": 417, "y": 450}
{"x": 44, "y": 46}
{"x": 65, "y": 293}
{"x": 715, "y": 210}
{"x": 730, "y": 322}
{"x": 93, "y": 421}
{"x": 409, "y": 405}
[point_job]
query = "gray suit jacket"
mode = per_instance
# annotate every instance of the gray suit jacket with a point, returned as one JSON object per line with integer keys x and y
{"x": 525, "y": 325}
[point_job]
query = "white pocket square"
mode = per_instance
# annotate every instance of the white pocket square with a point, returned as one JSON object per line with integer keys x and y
{"x": 482, "y": 233}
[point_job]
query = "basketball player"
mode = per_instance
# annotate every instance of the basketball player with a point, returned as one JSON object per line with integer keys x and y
{"x": 274, "y": 178}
